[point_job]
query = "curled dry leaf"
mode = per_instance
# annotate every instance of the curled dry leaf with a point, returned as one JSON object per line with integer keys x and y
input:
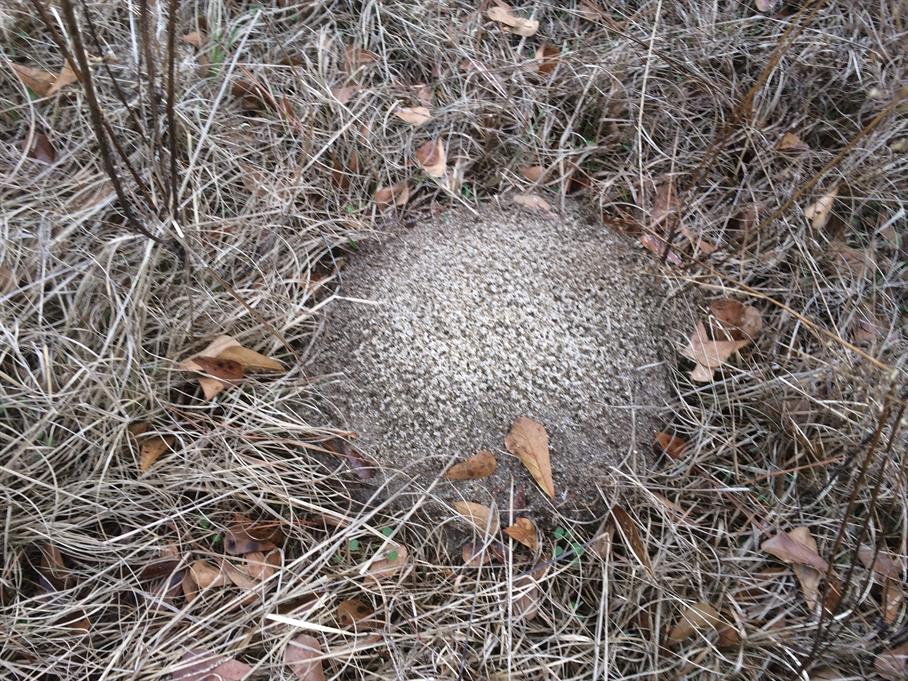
{"x": 202, "y": 665}
{"x": 808, "y": 577}
{"x": 481, "y": 465}
{"x": 504, "y": 15}
{"x": 527, "y": 596}
{"x": 888, "y": 572}
{"x": 529, "y": 442}
{"x": 226, "y": 369}
{"x": 303, "y": 656}
{"x": 416, "y": 116}
{"x": 532, "y": 202}
{"x": 354, "y": 614}
{"x": 893, "y": 663}
{"x": 485, "y": 519}
{"x": 789, "y": 550}
{"x": 694, "y": 618}
{"x": 388, "y": 563}
{"x": 709, "y": 354}
{"x": 524, "y": 531}
{"x": 818, "y": 213}
{"x": 791, "y": 144}
{"x": 432, "y": 158}
{"x": 41, "y": 149}
{"x": 671, "y": 445}
{"x": 247, "y": 537}
{"x": 630, "y": 534}
{"x": 734, "y": 320}
{"x": 547, "y": 58}
{"x": 394, "y": 195}
{"x": 227, "y": 348}
{"x": 152, "y": 447}
{"x": 532, "y": 173}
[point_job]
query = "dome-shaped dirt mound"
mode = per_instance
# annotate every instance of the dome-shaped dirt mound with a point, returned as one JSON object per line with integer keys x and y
{"x": 445, "y": 333}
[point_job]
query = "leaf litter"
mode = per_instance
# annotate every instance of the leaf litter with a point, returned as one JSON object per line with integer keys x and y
{"x": 481, "y": 465}
{"x": 529, "y": 442}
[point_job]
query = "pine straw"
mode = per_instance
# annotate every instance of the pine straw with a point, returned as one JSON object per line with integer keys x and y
{"x": 95, "y": 317}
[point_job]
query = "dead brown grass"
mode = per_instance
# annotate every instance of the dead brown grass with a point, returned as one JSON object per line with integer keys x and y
{"x": 270, "y": 197}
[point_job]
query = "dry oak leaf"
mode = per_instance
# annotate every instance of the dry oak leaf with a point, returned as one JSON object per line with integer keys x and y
{"x": 630, "y": 533}
{"x": 227, "y": 348}
{"x": 485, "y": 519}
{"x": 303, "y": 656}
{"x": 226, "y": 369}
{"x": 481, "y": 465}
{"x": 671, "y": 445}
{"x": 808, "y": 577}
{"x": 201, "y": 665}
{"x": 524, "y": 531}
{"x": 529, "y": 442}
{"x": 694, "y": 618}
{"x": 432, "y": 158}
{"x": 504, "y": 15}
{"x": 393, "y": 195}
{"x": 893, "y": 663}
{"x": 416, "y": 116}
{"x": 388, "y": 562}
{"x": 791, "y": 144}
{"x": 888, "y": 573}
{"x": 789, "y": 550}
{"x": 152, "y": 448}
{"x": 547, "y": 58}
{"x": 532, "y": 202}
{"x": 708, "y": 354}
{"x": 818, "y": 213}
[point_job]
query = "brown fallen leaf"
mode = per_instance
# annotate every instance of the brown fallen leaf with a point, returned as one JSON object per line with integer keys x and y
{"x": 791, "y": 144}
{"x": 344, "y": 93}
{"x": 733, "y": 320}
{"x": 888, "y": 573}
{"x": 393, "y": 195}
{"x": 227, "y": 348}
{"x": 893, "y": 663}
{"x": 206, "y": 575}
{"x": 694, "y": 618}
{"x": 65, "y": 77}
{"x": 226, "y": 369}
{"x": 481, "y": 465}
{"x": 41, "y": 149}
{"x": 656, "y": 245}
{"x": 808, "y": 577}
{"x": 483, "y": 518}
{"x": 547, "y": 58}
{"x": 672, "y": 446}
{"x": 237, "y": 576}
{"x": 261, "y": 566}
{"x": 194, "y": 38}
{"x": 303, "y": 657}
{"x": 529, "y": 442}
{"x": 248, "y": 537}
{"x": 504, "y": 15}
{"x": 527, "y": 598}
{"x": 415, "y": 116}
{"x": 789, "y": 550}
{"x": 532, "y": 173}
{"x": 432, "y": 158}
{"x": 630, "y": 534}
{"x": 524, "y": 531}
{"x": 151, "y": 449}
{"x": 532, "y": 202}
{"x": 201, "y": 665}
{"x": 818, "y": 213}
{"x": 423, "y": 93}
{"x": 388, "y": 563}
{"x": 354, "y": 614}
{"x": 35, "y": 79}
{"x": 709, "y": 354}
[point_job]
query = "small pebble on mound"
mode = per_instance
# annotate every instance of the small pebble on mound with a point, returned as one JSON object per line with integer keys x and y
{"x": 447, "y": 332}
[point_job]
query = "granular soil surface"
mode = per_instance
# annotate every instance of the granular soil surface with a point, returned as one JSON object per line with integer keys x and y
{"x": 444, "y": 333}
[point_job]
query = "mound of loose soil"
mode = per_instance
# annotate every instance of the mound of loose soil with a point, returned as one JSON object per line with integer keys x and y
{"x": 446, "y": 332}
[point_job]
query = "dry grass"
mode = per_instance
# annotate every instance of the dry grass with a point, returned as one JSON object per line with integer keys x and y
{"x": 94, "y": 315}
